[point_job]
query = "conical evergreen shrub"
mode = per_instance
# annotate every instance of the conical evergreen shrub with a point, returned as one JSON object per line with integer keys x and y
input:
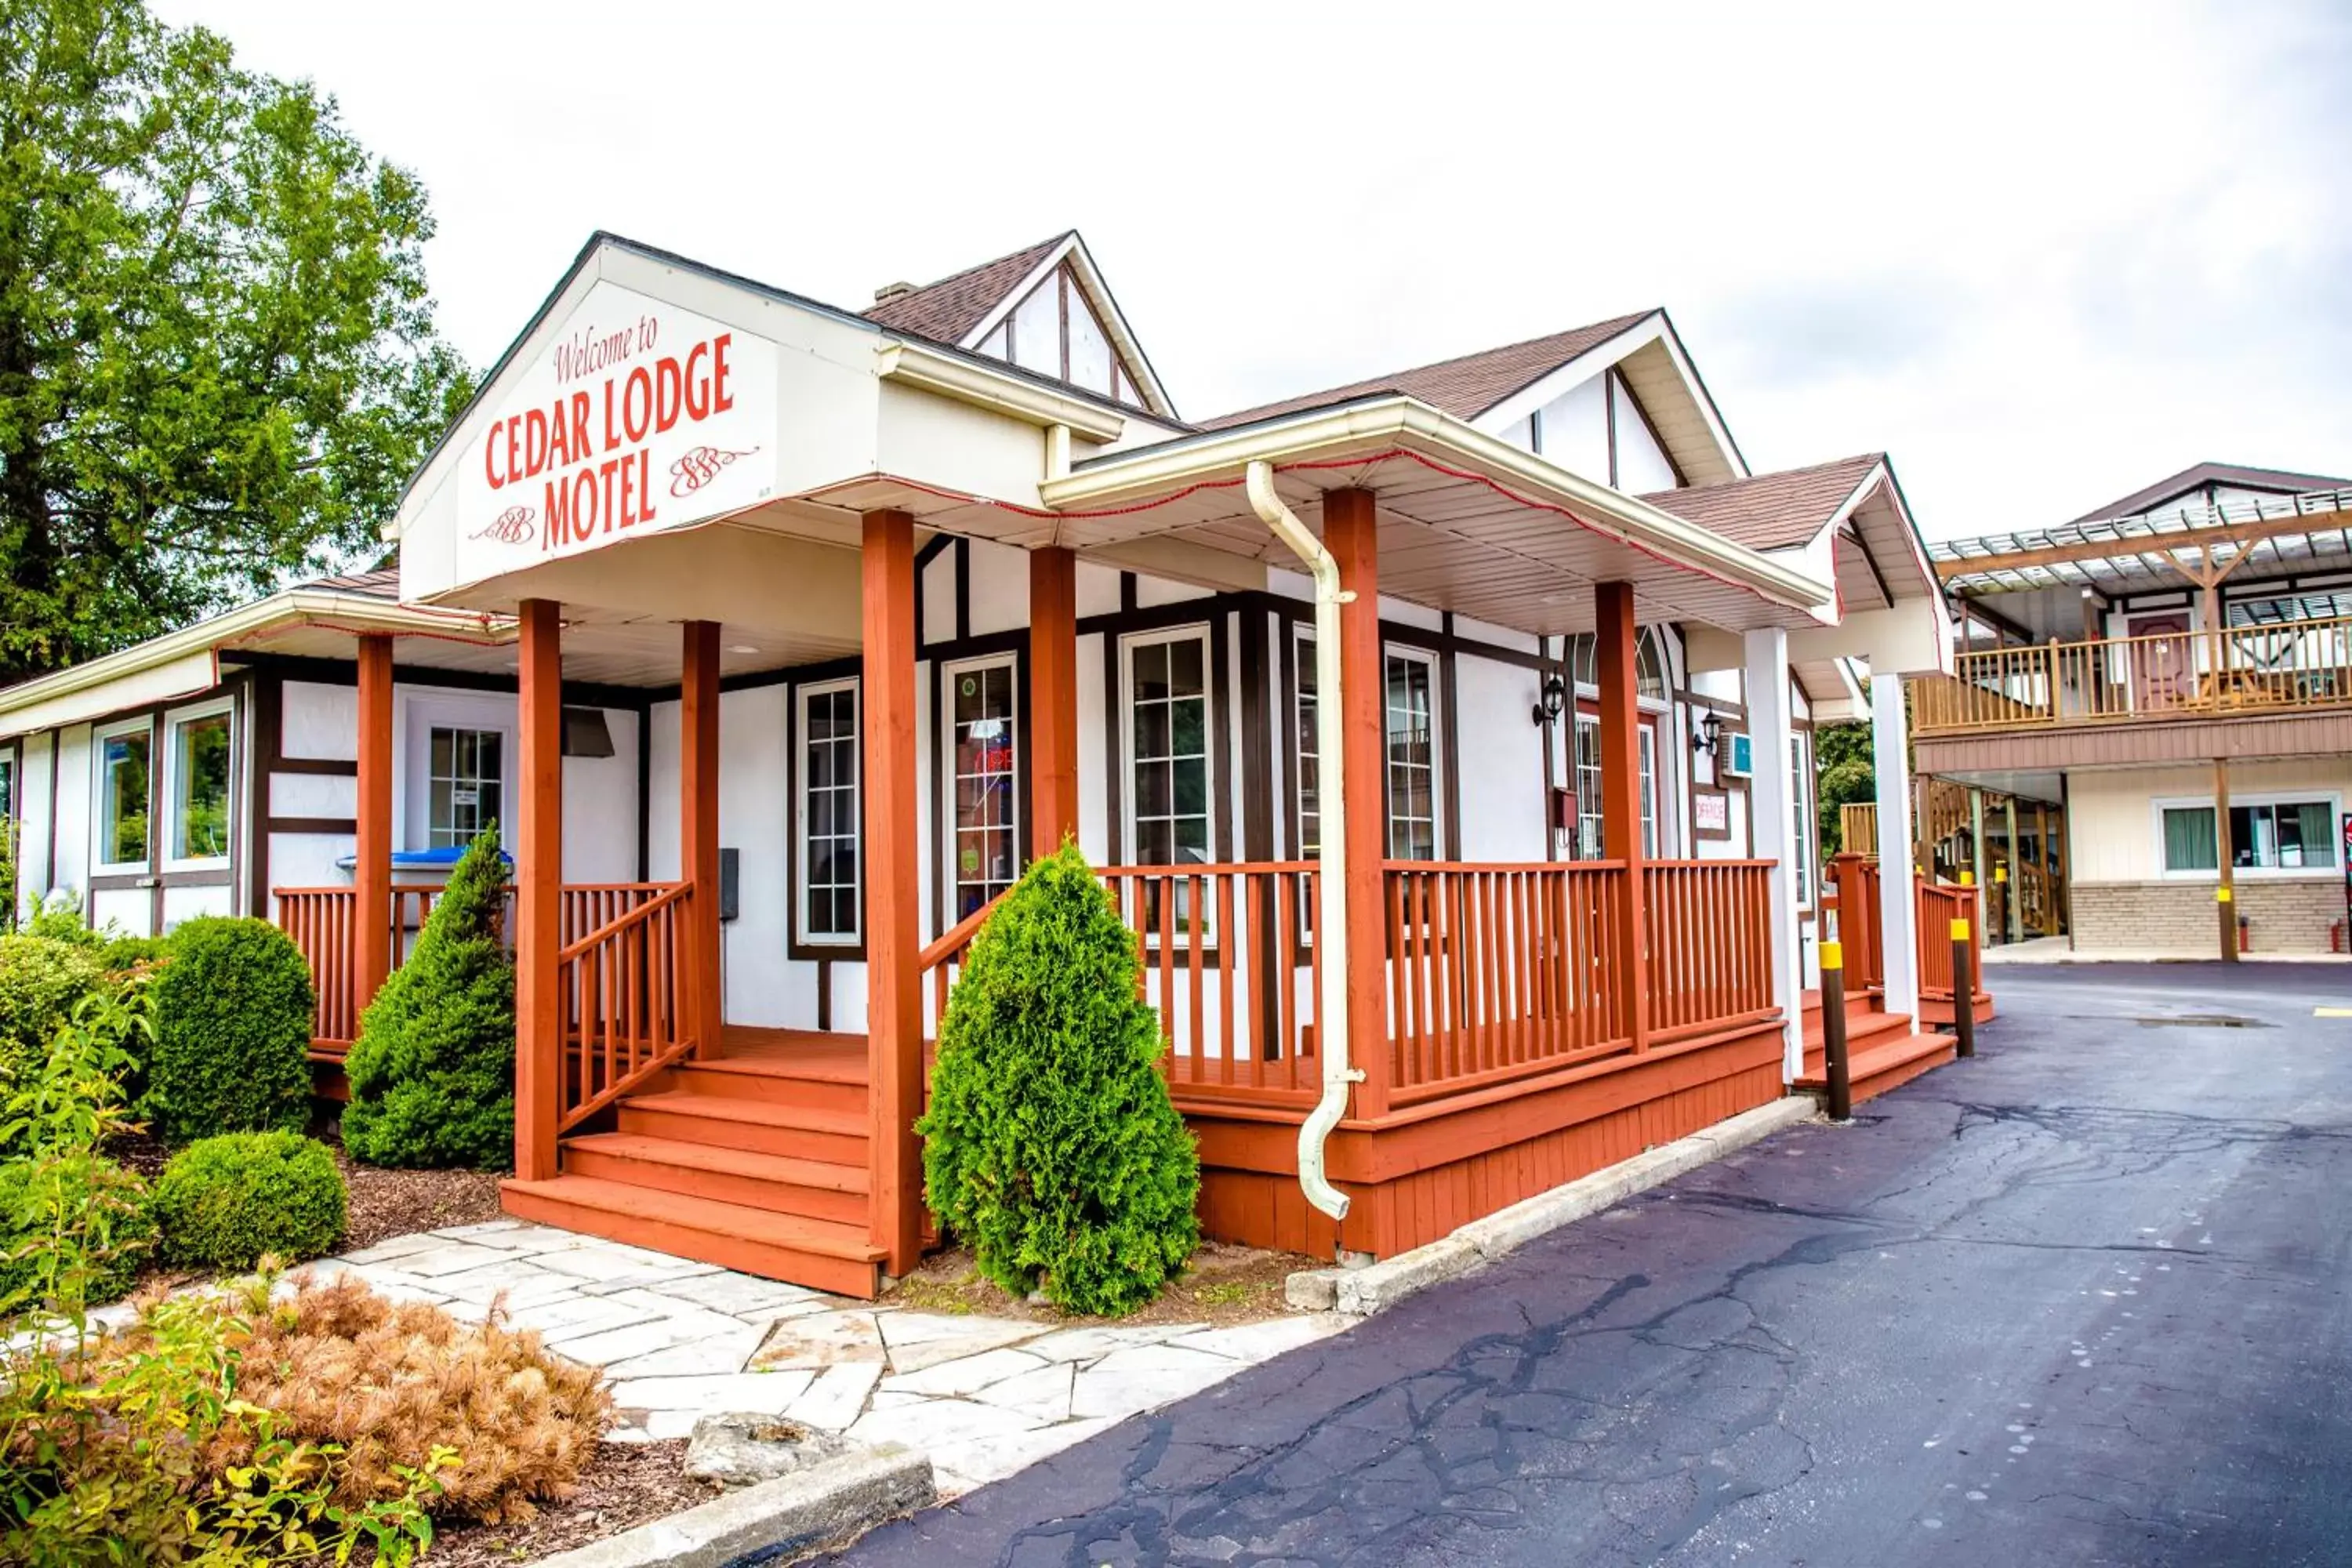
{"x": 1051, "y": 1145}
{"x": 432, "y": 1074}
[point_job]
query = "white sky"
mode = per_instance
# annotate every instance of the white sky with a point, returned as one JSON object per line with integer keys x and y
{"x": 2043, "y": 258}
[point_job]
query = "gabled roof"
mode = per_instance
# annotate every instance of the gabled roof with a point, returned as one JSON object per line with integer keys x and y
{"x": 1464, "y": 387}
{"x": 948, "y": 309}
{"x": 1773, "y": 512}
{"x": 2191, "y": 481}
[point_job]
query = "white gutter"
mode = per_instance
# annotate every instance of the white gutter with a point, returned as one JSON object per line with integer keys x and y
{"x": 1331, "y": 876}
{"x": 1404, "y": 423}
{"x": 949, "y": 376}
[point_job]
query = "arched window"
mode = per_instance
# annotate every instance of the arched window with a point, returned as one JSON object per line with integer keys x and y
{"x": 1652, "y": 670}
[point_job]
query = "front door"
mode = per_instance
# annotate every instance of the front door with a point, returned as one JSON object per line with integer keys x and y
{"x": 983, "y": 827}
{"x": 2164, "y": 661}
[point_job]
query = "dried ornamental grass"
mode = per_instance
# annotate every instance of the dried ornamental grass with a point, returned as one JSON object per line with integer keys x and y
{"x": 388, "y": 1382}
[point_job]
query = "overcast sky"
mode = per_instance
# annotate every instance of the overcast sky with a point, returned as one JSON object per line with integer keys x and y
{"x": 2043, "y": 258}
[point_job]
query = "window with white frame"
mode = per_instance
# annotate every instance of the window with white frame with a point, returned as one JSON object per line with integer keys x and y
{"x": 1590, "y": 840}
{"x": 1410, "y": 703}
{"x": 197, "y": 750}
{"x": 1800, "y": 778}
{"x": 2282, "y": 834}
{"x": 983, "y": 825}
{"x": 1166, "y": 677}
{"x": 1648, "y": 735}
{"x": 465, "y": 783}
{"x": 828, "y": 861}
{"x": 121, "y": 819}
{"x": 1307, "y": 754}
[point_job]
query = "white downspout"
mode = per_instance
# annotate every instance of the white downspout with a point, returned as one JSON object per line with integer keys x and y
{"x": 1332, "y": 878}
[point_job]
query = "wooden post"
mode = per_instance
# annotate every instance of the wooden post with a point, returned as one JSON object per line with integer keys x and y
{"x": 1053, "y": 700}
{"x": 2012, "y": 904}
{"x": 2225, "y": 853}
{"x": 1615, "y": 665}
{"x": 698, "y": 829}
{"x": 1350, "y": 531}
{"x": 539, "y": 890}
{"x": 893, "y": 912}
{"x": 372, "y": 932}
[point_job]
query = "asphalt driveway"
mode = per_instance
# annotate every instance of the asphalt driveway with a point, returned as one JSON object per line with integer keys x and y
{"x": 2080, "y": 1300}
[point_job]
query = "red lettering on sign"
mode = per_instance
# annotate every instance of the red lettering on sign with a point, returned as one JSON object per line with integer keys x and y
{"x": 721, "y": 400}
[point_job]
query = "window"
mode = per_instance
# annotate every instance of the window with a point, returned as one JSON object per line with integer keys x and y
{"x": 984, "y": 830}
{"x": 2264, "y": 835}
{"x": 196, "y": 772}
{"x": 1167, "y": 678}
{"x": 1055, "y": 332}
{"x": 1410, "y": 725}
{"x": 123, "y": 797}
{"x": 829, "y": 813}
{"x": 1591, "y": 841}
{"x": 1649, "y": 740}
{"x": 1800, "y": 778}
{"x": 1650, "y": 662}
{"x": 464, "y": 784}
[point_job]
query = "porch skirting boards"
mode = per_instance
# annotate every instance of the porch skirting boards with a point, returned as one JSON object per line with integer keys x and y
{"x": 1415, "y": 1175}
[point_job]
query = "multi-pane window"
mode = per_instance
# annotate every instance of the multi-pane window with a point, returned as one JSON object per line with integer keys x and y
{"x": 1308, "y": 753}
{"x": 464, "y": 784}
{"x": 985, "y": 829}
{"x": 828, "y": 770}
{"x": 199, "y": 788}
{"x": 1801, "y": 803}
{"x": 1649, "y": 740}
{"x": 1412, "y": 758}
{"x": 123, "y": 797}
{"x": 1167, "y": 745}
{"x": 1591, "y": 841}
{"x": 2264, "y": 835}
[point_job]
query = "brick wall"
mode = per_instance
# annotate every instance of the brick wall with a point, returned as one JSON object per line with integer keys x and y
{"x": 2178, "y": 917}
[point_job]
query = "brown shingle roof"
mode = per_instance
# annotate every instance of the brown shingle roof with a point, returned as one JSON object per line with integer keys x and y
{"x": 377, "y": 582}
{"x": 1770, "y": 511}
{"x": 2188, "y": 480}
{"x": 1464, "y": 387}
{"x": 947, "y": 311}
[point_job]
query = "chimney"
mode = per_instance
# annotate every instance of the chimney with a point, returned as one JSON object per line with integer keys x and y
{"x": 889, "y": 292}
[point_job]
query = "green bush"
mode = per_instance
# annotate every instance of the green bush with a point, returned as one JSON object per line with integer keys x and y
{"x": 223, "y": 1202}
{"x": 123, "y": 953}
{"x": 60, "y": 920}
{"x": 41, "y": 980}
{"x": 233, "y": 1011}
{"x": 40, "y": 1199}
{"x": 1051, "y": 1144}
{"x": 432, "y": 1074}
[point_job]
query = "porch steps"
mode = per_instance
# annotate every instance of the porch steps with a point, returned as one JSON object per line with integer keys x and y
{"x": 755, "y": 1126}
{"x": 824, "y": 1255}
{"x": 1883, "y": 1049}
{"x": 811, "y": 1188}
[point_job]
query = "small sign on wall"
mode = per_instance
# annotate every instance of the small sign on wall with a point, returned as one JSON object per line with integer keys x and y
{"x": 1710, "y": 812}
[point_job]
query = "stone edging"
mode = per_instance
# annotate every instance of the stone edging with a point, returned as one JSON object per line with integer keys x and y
{"x": 772, "y": 1521}
{"x": 1378, "y": 1286}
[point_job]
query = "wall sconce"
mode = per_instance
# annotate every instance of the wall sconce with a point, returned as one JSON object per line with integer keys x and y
{"x": 1555, "y": 698}
{"x": 1706, "y": 734}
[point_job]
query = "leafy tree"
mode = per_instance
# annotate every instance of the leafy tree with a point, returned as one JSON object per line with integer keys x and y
{"x": 1842, "y": 753}
{"x": 431, "y": 1073}
{"x": 1051, "y": 1144}
{"x": 218, "y": 360}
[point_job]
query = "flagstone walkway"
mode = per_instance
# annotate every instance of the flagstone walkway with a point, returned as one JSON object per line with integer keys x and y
{"x": 679, "y": 1340}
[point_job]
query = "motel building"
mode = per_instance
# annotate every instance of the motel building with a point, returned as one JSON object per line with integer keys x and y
{"x": 1445, "y": 738}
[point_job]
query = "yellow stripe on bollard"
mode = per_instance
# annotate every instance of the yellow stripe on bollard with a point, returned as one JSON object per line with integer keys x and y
{"x": 1832, "y": 955}
{"x": 2221, "y": 895}
{"x": 1960, "y": 930}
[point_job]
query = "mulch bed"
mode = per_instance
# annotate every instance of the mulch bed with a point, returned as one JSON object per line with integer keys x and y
{"x": 626, "y": 1485}
{"x": 383, "y": 1204}
{"x": 1225, "y": 1285}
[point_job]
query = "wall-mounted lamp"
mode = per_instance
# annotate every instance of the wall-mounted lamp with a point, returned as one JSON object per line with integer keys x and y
{"x": 1555, "y": 698}
{"x": 1706, "y": 734}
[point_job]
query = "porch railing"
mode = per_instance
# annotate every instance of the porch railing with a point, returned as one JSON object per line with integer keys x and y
{"x": 1710, "y": 944}
{"x": 623, "y": 991}
{"x": 1941, "y": 903}
{"x": 1852, "y": 892}
{"x": 2279, "y": 667}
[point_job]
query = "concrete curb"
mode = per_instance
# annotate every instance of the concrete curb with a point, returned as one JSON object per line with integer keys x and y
{"x": 772, "y": 1521}
{"x": 1379, "y": 1286}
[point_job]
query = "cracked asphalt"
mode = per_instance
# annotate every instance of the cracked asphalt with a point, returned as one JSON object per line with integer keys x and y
{"x": 2080, "y": 1300}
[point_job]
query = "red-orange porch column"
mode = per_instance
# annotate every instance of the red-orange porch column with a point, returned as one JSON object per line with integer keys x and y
{"x": 371, "y": 934}
{"x": 698, "y": 828}
{"x": 538, "y": 842}
{"x": 1350, "y": 531}
{"x": 1052, "y": 699}
{"x": 1620, "y": 792}
{"x": 893, "y": 1016}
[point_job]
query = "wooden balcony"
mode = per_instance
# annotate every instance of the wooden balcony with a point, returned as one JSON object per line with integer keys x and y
{"x": 2283, "y": 668}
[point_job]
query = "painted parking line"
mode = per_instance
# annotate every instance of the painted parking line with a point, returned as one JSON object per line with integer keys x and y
{"x": 2332, "y": 1011}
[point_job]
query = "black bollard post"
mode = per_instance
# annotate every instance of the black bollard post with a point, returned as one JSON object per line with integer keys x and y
{"x": 1964, "y": 986}
{"x": 1834, "y": 1030}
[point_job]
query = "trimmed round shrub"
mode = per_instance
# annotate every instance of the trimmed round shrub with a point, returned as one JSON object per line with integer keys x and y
{"x": 432, "y": 1074}
{"x": 1051, "y": 1144}
{"x": 223, "y": 1202}
{"x": 41, "y": 979}
{"x": 83, "y": 1189}
{"x": 232, "y": 1050}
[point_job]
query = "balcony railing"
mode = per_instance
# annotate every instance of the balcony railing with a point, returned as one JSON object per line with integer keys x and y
{"x": 2283, "y": 667}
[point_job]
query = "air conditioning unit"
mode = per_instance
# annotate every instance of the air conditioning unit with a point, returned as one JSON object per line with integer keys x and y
{"x": 1737, "y": 760}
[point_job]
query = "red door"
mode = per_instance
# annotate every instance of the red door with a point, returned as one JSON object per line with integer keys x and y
{"x": 2163, "y": 660}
